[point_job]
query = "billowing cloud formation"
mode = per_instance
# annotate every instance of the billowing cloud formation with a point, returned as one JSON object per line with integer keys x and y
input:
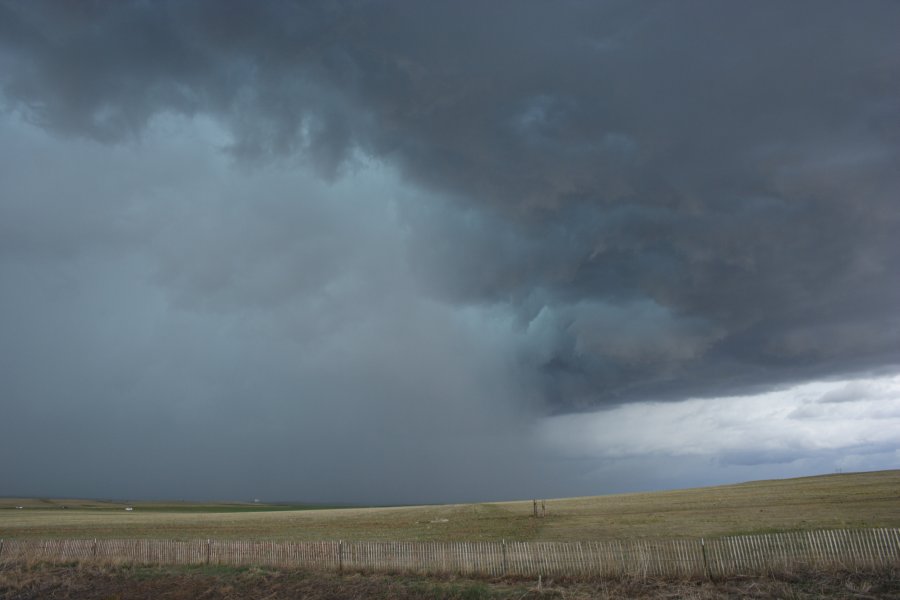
{"x": 466, "y": 214}
{"x": 732, "y": 169}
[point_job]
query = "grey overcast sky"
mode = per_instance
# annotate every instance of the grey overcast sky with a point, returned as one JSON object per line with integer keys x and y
{"x": 407, "y": 251}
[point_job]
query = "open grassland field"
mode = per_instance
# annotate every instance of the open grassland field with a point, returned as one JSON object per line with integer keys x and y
{"x": 858, "y": 500}
{"x": 87, "y": 582}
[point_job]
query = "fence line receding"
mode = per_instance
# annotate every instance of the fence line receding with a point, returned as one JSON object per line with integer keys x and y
{"x": 747, "y": 554}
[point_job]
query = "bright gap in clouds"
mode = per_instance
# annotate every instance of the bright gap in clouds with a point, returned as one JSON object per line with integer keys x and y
{"x": 816, "y": 427}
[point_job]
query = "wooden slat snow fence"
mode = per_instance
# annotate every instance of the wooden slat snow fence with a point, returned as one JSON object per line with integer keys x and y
{"x": 737, "y": 555}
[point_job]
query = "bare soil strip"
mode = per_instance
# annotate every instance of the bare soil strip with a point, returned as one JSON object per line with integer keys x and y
{"x": 91, "y": 582}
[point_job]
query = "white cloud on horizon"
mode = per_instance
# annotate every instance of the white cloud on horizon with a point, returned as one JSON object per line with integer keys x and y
{"x": 849, "y": 424}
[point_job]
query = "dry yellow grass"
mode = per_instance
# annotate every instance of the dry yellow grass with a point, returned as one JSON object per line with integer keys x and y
{"x": 832, "y": 501}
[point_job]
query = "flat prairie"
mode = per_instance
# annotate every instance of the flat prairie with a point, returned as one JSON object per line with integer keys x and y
{"x": 851, "y": 500}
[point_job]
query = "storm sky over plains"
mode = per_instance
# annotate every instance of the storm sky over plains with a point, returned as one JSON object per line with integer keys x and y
{"x": 445, "y": 251}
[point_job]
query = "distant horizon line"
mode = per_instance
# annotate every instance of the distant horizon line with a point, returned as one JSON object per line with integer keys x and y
{"x": 347, "y": 505}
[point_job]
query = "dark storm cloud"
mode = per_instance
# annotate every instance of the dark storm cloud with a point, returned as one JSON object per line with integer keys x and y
{"x": 671, "y": 198}
{"x": 175, "y": 327}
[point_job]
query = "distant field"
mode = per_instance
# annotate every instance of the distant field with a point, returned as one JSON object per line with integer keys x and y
{"x": 830, "y": 501}
{"x": 171, "y": 507}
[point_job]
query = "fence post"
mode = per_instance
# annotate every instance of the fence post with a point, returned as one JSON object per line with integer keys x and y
{"x": 1, "y": 546}
{"x": 340, "y": 556}
{"x": 207, "y": 551}
{"x": 505, "y": 563}
{"x": 94, "y": 548}
{"x": 705, "y": 559}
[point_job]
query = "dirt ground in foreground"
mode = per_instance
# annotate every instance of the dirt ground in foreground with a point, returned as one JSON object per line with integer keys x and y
{"x": 54, "y": 582}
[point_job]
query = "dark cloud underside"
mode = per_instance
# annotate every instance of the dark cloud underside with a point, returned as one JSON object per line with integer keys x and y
{"x": 650, "y": 200}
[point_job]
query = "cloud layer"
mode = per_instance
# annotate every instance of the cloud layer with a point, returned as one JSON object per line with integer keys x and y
{"x": 426, "y": 225}
{"x": 853, "y": 418}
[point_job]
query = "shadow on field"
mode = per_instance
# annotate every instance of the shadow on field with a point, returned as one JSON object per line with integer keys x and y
{"x": 91, "y": 582}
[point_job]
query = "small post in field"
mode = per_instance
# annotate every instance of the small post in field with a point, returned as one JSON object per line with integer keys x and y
{"x": 534, "y": 506}
{"x": 505, "y": 562}
{"x": 1, "y": 546}
{"x": 94, "y": 548}
{"x": 340, "y": 556}
{"x": 543, "y": 508}
{"x": 207, "y": 551}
